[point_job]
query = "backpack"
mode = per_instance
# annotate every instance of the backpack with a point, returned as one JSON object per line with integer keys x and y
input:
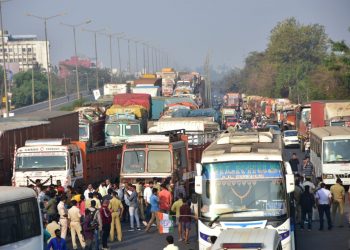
{"x": 94, "y": 223}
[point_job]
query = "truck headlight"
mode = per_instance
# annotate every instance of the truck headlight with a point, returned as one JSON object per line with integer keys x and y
{"x": 328, "y": 176}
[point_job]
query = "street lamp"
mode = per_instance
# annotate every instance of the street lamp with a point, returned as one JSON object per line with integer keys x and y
{"x": 3, "y": 59}
{"x": 95, "y": 36}
{"x": 87, "y": 81}
{"x": 110, "y": 35}
{"x": 74, "y": 26}
{"x": 47, "y": 51}
{"x": 119, "y": 56}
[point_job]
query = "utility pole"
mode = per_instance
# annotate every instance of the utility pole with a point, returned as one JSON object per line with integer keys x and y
{"x": 74, "y": 26}
{"x": 119, "y": 56}
{"x": 95, "y": 37}
{"x": 47, "y": 53}
{"x": 207, "y": 80}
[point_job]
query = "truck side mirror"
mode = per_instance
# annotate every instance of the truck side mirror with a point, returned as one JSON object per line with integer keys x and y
{"x": 290, "y": 184}
{"x": 199, "y": 169}
{"x": 198, "y": 186}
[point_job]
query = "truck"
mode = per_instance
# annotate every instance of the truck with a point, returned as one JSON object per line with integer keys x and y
{"x": 162, "y": 155}
{"x": 244, "y": 182}
{"x": 194, "y": 126}
{"x": 330, "y": 113}
{"x": 14, "y": 134}
{"x": 60, "y": 160}
{"x": 111, "y": 89}
{"x": 169, "y": 78}
{"x": 183, "y": 87}
{"x": 91, "y": 125}
{"x": 233, "y": 100}
{"x": 119, "y": 126}
{"x": 227, "y": 114}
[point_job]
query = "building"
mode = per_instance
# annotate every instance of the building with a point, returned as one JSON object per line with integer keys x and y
{"x": 24, "y": 50}
{"x": 67, "y": 65}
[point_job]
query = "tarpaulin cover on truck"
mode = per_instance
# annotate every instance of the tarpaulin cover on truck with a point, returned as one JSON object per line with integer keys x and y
{"x": 133, "y": 99}
{"x": 137, "y": 110}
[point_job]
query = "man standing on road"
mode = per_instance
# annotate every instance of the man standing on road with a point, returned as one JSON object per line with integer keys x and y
{"x": 116, "y": 207}
{"x": 294, "y": 163}
{"x": 338, "y": 194}
{"x": 324, "y": 199}
{"x": 133, "y": 208}
{"x": 75, "y": 227}
{"x": 164, "y": 199}
{"x": 147, "y": 193}
{"x": 63, "y": 213}
{"x": 297, "y": 194}
{"x": 106, "y": 217}
{"x": 308, "y": 168}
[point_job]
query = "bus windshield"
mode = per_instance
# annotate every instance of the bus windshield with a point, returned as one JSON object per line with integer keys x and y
{"x": 248, "y": 189}
{"x": 336, "y": 151}
{"x": 31, "y": 161}
{"x": 134, "y": 161}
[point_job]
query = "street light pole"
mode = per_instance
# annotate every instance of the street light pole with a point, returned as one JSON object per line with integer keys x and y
{"x": 119, "y": 56}
{"x": 144, "y": 58}
{"x": 87, "y": 81}
{"x": 3, "y": 60}
{"x": 47, "y": 53}
{"x": 74, "y": 26}
{"x": 95, "y": 36}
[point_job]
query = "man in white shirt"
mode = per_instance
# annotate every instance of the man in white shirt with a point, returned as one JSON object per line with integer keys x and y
{"x": 89, "y": 189}
{"x": 324, "y": 199}
{"x": 309, "y": 183}
{"x": 170, "y": 245}
{"x": 63, "y": 216}
{"x": 147, "y": 196}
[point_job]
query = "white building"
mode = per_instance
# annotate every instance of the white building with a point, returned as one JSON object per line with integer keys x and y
{"x": 24, "y": 50}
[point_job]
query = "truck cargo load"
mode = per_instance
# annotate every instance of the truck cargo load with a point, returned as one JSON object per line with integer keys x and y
{"x": 62, "y": 123}
{"x": 133, "y": 99}
{"x": 153, "y": 91}
{"x": 209, "y": 112}
{"x": 157, "y": 108}
{"x": 330, "y": 113}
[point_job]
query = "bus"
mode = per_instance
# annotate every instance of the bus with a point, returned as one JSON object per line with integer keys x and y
{"x": 20, "y": 219}
{"x": 330, "y": 154}
{"x": 243, "y": 182}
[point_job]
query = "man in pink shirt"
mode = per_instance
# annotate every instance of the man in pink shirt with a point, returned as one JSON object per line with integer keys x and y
{"x": 164, "y": 199}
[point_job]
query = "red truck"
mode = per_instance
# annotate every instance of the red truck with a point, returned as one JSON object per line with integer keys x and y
{"x": 233, "y": 100}
{"x": 303, "y": 123}
{"x": 330, "y": 113}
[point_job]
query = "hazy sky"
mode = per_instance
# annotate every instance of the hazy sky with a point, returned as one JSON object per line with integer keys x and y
{"x": 186, "y": 29}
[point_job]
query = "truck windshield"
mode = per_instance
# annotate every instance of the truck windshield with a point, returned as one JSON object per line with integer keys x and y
{"x": 133, "y": 129}
{"x": 336, "y": 151}
{"x": 159, "y": 161}
{"x": 83, "y": 131}
{"x": 31, "y": 161}
{"x": 134, "y": 161}
{"x": 112, "y": 129}
{"x": 255, "y": 189}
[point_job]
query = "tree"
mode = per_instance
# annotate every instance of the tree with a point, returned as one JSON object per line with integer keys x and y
{"x": 22, "y": 92}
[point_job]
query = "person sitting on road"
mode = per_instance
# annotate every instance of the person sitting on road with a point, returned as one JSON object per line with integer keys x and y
{"x": 170, "y": 246}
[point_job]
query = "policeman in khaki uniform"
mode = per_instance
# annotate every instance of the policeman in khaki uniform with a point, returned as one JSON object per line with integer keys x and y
{"x": 338, "y": 201}
{"x": 75, "y": 227}
{"x": 116, "y": 207}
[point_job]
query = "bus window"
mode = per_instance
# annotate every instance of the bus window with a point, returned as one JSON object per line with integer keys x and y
{"x": 19, "y": 220}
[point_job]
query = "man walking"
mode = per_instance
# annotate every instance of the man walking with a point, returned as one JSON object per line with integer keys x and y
{"x": 75, "y": 227}
{"x": 324, "y": 199}
{"x": 133, "y": 208}
{"x": 116, "y": 207}
{"x": 57, "y": 243}
{"x": 307, "y": 202}
{"x": 96, "y": 217}
{"x": 294, "y": 163}
{"x": 338, "y": 194}
{"x": 308, "y": 168}
{"x": 154, "y": 201}
{"x": 147, "y": 196}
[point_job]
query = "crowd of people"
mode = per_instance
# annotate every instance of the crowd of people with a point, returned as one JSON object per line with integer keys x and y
{"x": 93, "y": 216}
{"x": 312, "y": 198}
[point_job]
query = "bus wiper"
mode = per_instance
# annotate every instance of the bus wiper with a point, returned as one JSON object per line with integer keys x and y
{"x": 231, "y": 212}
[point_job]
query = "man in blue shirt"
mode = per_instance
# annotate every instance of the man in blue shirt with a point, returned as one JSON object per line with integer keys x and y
{"x": 57, "y": 243}
{"x": 154, "y": 209}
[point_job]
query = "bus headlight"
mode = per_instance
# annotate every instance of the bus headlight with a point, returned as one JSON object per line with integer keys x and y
{"x": 327, "y": 176}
